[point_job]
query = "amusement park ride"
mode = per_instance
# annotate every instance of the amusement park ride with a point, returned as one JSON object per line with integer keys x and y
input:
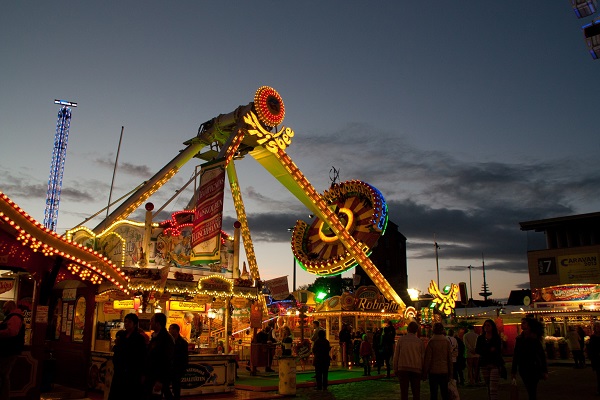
{"x": 349, "y": 217}
{"x": 57, "y": 166}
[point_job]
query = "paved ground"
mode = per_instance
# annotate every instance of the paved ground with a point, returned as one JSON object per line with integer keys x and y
{"x": 564, "y": 383}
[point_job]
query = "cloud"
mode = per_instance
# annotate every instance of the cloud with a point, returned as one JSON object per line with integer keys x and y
{"x": 472, "y": 207}
{"x": 142, "y": 171}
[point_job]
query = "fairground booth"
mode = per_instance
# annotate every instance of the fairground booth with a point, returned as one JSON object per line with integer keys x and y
{"x": 54, "y": 281}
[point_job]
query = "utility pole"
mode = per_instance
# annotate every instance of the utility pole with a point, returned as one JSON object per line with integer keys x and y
{"x": 437, "y": 264}
{"x": 470, "y": 285}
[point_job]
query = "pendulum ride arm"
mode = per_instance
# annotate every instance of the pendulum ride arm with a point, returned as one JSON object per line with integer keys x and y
{"x": 281, "y": 166}
{"x": 241, "y": 216}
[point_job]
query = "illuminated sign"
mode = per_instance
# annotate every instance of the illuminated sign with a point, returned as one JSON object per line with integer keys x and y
{"x": 185, "y": 306}
{"x": 123, "y": 304}
{"x": 580, "y": 268}
{"x": 444, "y": 301}
{"x": 215, "y": 283}
{"x": 567, "y": 293}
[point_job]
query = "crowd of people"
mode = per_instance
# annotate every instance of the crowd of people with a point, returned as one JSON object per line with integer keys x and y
{"x": 148, "y": 367}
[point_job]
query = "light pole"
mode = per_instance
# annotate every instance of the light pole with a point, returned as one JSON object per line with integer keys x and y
{"x": 437, "y": 264}
{"x": 294, "y": 271}
{"x": 470, "y": 285}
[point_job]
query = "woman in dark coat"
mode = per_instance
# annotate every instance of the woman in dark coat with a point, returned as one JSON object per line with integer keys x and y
{"x": 529, "y": 358}
{"x": 489, "y": 348}
{"x": 128, "y": 360}
{"x": 321, "y": 361}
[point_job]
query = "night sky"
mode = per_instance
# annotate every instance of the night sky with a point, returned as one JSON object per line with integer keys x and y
{"x": 469, "y": 117}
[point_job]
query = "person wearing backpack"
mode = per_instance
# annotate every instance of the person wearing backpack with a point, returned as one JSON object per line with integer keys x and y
{"x": 12, "y": 341}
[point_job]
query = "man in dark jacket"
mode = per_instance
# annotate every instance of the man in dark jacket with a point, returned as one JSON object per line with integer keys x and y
{"x": 346, "y": 345}
{"x": 180, "y": 361}
{"x": 159, "y": 358}
{"x": 12, "y": 341}
{"x": 321, "y": 361}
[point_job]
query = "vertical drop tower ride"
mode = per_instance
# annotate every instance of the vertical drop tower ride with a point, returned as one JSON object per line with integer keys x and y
{"x": 57, "y": 166}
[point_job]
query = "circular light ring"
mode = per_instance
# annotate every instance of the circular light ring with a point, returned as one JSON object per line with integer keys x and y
{"x": 325, "y": 233}
{"x": 359, "y": 207}
{"x": 269, "y": 106}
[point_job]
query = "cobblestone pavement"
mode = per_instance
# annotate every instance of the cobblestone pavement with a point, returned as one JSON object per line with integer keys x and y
{"x": 564, "y": 382}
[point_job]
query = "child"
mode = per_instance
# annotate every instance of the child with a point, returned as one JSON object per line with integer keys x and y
{"x": 366, "y": 351}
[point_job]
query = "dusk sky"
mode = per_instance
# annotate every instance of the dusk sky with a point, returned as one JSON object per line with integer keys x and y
{"x": 469, "y": 117}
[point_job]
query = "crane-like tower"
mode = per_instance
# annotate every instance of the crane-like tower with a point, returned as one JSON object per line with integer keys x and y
{"x": 57, "y": 166}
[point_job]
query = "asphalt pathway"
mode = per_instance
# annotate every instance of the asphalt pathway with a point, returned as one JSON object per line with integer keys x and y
{"x": 564, "y": 382}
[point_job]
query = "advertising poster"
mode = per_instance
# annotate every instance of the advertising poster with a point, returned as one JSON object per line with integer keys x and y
{"x": 208, "y": 215}
{"x": 580, "y": 268}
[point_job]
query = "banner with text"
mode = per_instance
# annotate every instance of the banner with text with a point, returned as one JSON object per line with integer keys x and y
{"x": 279, "y": 287}
{"x": 208, "y": 214}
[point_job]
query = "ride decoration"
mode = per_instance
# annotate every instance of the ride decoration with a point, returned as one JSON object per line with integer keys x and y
{"x": 269, "y": 106}
{"x": 444, "y": 300}
{"x": 363, "y": 212}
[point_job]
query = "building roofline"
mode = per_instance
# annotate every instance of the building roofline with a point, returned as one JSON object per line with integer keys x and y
{"x": 542, "y": 224}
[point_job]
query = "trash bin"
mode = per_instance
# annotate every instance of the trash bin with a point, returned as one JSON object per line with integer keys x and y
{"x": 287, "y": 375}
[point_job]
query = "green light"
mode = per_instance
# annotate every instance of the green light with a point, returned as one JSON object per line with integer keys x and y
{"x": 321, "y": 296}
{"x": 432, "y": 305}
{"x": 447, "y": 289}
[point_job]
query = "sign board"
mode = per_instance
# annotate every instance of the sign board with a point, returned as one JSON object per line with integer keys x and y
{"x": 6, "y": 285}
{"x": 186, "y": 306}
{"x": 41, "y": 314}
{"x": 202, "y": 298}
{"x": 100, "y": 298}
{"x": 256, "y": 316}
{"x": 208, "y": 214}
{"x": 123, "y": 305}
{"x": 69, "y": 294}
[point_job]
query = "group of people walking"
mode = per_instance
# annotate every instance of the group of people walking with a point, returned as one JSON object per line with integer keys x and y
{"x": 146, "y": 367}
{"x": 445, "y": 356}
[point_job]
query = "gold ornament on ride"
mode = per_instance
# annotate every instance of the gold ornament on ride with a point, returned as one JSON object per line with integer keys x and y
{"x": 444, "y": 301}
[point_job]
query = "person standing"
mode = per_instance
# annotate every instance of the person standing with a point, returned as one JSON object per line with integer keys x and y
{"x": 489, "y": 348}
{"x": 286, "y": 341}
{"x": 437, "y": 364}
{"x": 573, "y": 342}
{"x": 356, "y": 348}
{"x": 593, "y": 349}
{"x": 321, "y": 360}
{"x": 470, "y": 340}
{"x": 315, "y": 332}
{"x": 12, "y": 342}
{"x": 581, "y": 334}
{"x": 346, "y": 345}
{"x": 529, "y": 358}
{"x": 408, "y": 362}
{"x": 180, "y": 361}
{"x": 460, "y": 359}
{"x": 453, "y": 353}
{"x": 129, "y": 353}
{"x": 366, "y": 352}
{"x": 388, "y": 341}
{"x": 378, "y": 348}
{"x": 159, "y": 358}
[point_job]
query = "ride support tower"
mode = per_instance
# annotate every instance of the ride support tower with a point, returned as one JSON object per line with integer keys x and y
{"x": 57, "y": 166}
